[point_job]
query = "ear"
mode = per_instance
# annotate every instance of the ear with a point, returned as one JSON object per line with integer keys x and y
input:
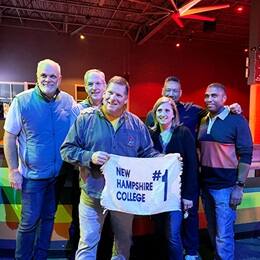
{"x": 125, "y": 102}
{"x": 162, "y": 92}
{"x": 180, "y": 92}
{"x": 224, "y": 98}
{"x": 59, "y": 81}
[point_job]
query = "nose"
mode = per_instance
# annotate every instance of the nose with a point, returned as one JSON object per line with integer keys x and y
{"x": 49, "y": 78}
{"x": 162, "y": 113}
{"x": 113, "y": 96}
{"x": 209, "y": 98}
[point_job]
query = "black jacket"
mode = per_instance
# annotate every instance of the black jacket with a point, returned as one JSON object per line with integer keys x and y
{"x": 182, "y": 142}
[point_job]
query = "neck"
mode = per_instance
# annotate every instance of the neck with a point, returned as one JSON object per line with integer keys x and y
{"x": 109, "y": 116}
{"x": 165, "y": 127}
{"x": 95, "y": 103}
{"x": 215, "y": 113}
{"x": 49, "y": 96}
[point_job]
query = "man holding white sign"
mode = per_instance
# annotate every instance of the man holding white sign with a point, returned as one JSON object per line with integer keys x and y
{"x": 93, "y": 137}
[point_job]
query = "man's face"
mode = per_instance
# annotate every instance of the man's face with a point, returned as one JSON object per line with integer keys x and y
{"x": 215, "y": 99}
{"x": 172, "y": 89}
{"x": 48, "y": 78}
{"x": 115, "y": 99}
{"x": 95, "y": 86}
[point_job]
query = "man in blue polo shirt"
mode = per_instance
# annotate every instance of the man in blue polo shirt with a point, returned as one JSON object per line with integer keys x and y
{"x": 225, "y": 155}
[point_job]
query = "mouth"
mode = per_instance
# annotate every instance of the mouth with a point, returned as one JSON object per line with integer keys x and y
{"x": 95, "y": 92}
{"x": 210, "y": 106}
{"x": 111, "y": 104}
{"x": 163, "y": 119}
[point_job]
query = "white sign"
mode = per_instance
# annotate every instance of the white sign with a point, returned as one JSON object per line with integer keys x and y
{"x": 142, "y": 186}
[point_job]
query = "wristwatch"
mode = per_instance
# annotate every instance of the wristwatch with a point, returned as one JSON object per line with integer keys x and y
{"x": 240, "y": 184}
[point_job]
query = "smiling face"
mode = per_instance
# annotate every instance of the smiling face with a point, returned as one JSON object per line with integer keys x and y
{"x": 172, "y": 89}
{"x": 215, "y": 98}
{"x": 48, "y": 77}
{"x": 165, "y": 115}
{"x": 95, "y": 86}
{"x": 115, "y": 100}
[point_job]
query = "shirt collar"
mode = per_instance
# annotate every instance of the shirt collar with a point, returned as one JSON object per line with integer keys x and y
{"x": 124, "y": 115}
{"x": 45, "y": 97}
{"x": 222, "y": 115}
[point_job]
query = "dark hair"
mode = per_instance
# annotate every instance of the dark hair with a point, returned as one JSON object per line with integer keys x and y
{"x": 217, "y": 85}
{"x": 161, "y": 100}
{"x": 172, "y": 78}
{"x": 121, "y": 81}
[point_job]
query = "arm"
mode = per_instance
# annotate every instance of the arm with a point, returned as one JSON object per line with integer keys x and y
{"x": 187, "y": 105}
{"x": 244, "y": 147}
{"x": 190, "y": 170}
{"x": 13, "y": 126}
{"x": 73, "y": 148}
{"x": 237, "y": 193}
{"x": 11, "y": 155}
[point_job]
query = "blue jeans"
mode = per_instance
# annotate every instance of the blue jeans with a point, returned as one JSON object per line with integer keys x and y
{"x": 190, "y": 229}
{"x": 168, "y": 227}
{"x": 37, "y": 219}
{"x": 221, "y": 218}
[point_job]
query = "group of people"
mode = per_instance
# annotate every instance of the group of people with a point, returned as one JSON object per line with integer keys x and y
{"x": 45, "y": 127}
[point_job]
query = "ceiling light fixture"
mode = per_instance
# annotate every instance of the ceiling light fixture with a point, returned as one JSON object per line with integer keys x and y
{"x": 82, "y": 36}
{"x": 240, "y": 9}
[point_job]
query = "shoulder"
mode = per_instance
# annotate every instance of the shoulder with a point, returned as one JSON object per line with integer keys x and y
{"x": 133, "y": 118}
{"x": 66, "y": 96}
{"x": 149, "y": 121}
{"x": 24, "y": 94}
{"x": 182, "y": 130}
{"x": 89, "y": 110}
{"x": 135, "y": 122}
{"x": 85, "y": 103}
{"x": 237, "y": 119}
{"x": 191, "y": 107}
{"x": 78, "y": 107}
{"x": 149, "y": 114}
{"x": 23, "y": 99}
{"x": 90, "y": 115}
{"x": 84, "y": 119}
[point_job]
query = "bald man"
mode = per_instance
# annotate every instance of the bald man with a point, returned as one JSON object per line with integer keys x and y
{"x": 38, "y": 120}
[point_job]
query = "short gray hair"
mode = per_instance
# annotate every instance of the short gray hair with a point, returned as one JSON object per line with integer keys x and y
{"x": 102, "y": 74}
{"x": 48, "y": 61}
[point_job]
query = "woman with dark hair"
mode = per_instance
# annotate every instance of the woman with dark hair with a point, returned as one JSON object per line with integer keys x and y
{"x": 169, "y": 136}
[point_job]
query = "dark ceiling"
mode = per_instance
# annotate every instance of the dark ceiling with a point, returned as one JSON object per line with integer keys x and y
{"x": 138, "y": 20}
